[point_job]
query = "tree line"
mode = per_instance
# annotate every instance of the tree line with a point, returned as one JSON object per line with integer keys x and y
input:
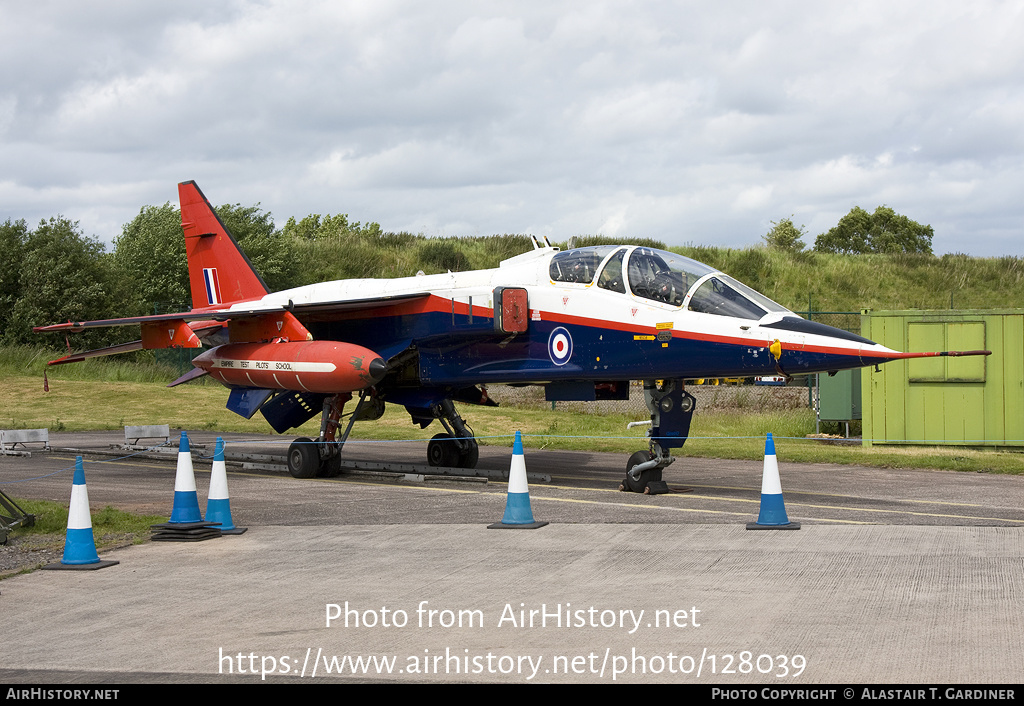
{"x": 55, "y": 273}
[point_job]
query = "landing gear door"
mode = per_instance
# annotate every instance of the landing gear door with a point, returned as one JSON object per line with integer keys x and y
{"x": 511, "y": 310}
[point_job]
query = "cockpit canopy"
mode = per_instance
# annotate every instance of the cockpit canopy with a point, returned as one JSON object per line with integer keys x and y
{"x": 661, "y": 276}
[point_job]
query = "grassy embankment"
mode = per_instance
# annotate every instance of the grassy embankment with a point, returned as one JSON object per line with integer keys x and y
{"x": 830, "y": 282}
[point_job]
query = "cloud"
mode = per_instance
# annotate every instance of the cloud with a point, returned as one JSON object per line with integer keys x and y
{"x": 682, "y": 122}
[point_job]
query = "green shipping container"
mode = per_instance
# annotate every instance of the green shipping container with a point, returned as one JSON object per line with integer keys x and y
{"x": 972, "y": 401}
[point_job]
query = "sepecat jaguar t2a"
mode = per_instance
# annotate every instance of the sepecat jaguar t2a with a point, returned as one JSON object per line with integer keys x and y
{"x": 583, "y": 323}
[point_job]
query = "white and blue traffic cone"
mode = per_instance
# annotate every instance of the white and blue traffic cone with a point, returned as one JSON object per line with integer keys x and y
{"x": 186, "y": 499}
{"x": 186, "y": 523}
{"x": 80, "y": 545}
{"x": 218, "y": 505}
{"x": 773, "y": 509}
{"x": 518, "y": 514}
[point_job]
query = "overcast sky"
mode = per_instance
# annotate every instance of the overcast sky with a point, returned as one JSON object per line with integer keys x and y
{"x": 690, "y": 122}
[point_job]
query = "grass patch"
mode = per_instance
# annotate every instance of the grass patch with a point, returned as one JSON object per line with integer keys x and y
{"x": 81, "y": 405}
{"x": 140, "y": 366}
{"x": 111, "y": 528}
{"x": 714, "y": 434}
{"x": 107, "y": 524}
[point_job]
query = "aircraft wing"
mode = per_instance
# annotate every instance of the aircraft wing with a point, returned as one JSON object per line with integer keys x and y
{"x": 221, "y": 315}
{"x": 77, "y": 326}
{"x": 322, "y": 308}
{"x": 186, "y": 329}
{"x": 110, "y": 350}
{"x": 199, "y": 330}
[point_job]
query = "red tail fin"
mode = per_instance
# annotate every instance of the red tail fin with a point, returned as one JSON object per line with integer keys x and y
{"x": 218, "y": 271}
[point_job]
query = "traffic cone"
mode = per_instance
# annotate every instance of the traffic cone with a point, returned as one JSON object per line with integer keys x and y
{"x": 218, "y": 505}
{"x": 773, "y": 509}
{"x": 80, "y": 546}
{"x": 518, "y": 514}
{"x": 186, "y": 500}
{"x": 186, "y": 523}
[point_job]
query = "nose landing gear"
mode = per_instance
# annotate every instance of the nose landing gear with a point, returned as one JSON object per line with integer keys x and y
{"x": 671, "y": 410}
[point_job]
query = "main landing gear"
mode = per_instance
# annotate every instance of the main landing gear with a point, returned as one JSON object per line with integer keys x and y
{"x": 310, "y": 458}
{"x": 671, "y": 410}
{"x": 457, "y": 448}
{"x": 321, "y": 457}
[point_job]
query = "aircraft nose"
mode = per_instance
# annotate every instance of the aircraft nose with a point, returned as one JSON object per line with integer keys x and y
{"x": 798, "y": 325}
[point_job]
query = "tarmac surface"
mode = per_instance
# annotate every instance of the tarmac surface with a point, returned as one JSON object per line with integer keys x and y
{"x": 896, "y": 576}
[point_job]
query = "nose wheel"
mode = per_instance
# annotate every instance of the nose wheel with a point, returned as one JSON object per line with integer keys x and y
{"x": 671, "y": 409}
{"x": 443, "y": 452}
{"x": 646, "y": 482}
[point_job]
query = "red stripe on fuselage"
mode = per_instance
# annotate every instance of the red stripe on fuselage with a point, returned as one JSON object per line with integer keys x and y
{"x": 438, "y": 304}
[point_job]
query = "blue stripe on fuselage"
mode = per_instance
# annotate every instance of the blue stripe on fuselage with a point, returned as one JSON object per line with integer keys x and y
{"x": 455, "y": 352}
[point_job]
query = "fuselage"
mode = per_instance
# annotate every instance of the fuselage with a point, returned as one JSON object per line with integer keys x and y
{"x": 600, "y": 313}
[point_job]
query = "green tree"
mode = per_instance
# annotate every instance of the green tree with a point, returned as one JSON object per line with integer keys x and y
{"x": 13, "y": 236}
{"x": 306, "y": 229}
{"x": 313, "y": 227}
{"x": 149, "y": 256}
{"x": 883, "y": 231}
{"x": 64, "y": 276}
{"x": 785, "y": 236}
{"x": 269, "y": 250}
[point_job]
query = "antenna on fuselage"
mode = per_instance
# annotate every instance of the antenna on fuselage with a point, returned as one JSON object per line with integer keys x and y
{"x": 539, "y": 243}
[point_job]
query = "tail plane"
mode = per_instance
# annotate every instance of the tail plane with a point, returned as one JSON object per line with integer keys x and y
{"x": 219, "y": 272}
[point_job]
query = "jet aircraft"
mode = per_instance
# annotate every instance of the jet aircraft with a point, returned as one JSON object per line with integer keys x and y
{"x": 582, "y": 322}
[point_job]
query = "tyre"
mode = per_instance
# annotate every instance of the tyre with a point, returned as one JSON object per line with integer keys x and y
{"x": 330, "y": 467}
{"x": 303, "y": 458}
{"x": 639, "y": 486}
{"x": 468, "y": 458}
{"x": 442, "y": 452}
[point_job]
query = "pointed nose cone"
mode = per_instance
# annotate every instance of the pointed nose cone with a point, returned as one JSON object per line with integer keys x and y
{"x": 204, "y": 360}
{"x": 377, "y": 369}
{"x": 792, "y": 323}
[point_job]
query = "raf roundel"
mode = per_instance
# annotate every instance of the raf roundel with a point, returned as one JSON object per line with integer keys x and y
{"x": 560, "y": 346}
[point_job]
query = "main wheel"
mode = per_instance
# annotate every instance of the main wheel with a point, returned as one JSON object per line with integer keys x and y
{"x": 442, "y": 452}
{"x": 468, "y": 458}
{"x": 303, "y": 458}
{"x": 330, "y": 467}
